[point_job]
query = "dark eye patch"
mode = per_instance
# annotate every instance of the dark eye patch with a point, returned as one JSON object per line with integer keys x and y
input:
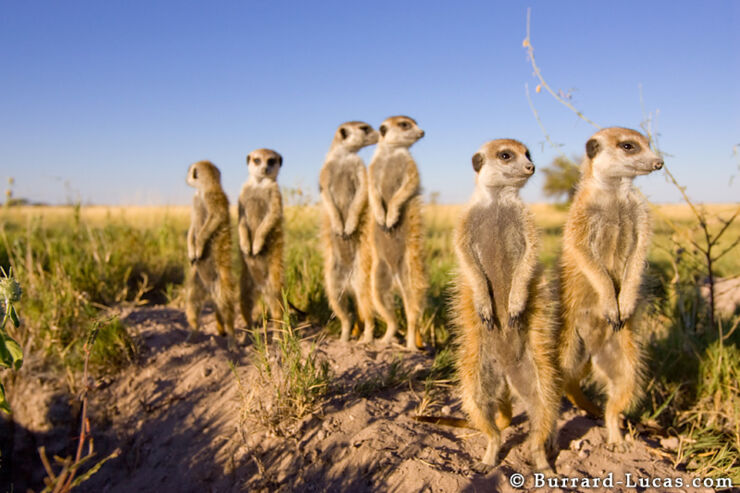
{"x": 404, "y": 125}
{"x": 528, "y": 156}
{"x": 505, "y": 155}
{"x": 271, "y": 162}
{"x": 343, "y": 132}
{"x": 629, "y": 146}
{"x": 257, "y": 160}
{"x": 365, "y": 129}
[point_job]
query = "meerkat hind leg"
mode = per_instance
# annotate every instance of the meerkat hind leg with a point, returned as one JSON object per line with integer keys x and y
{"x": 196, "y": 294}
{"x": 339, "y": 302}
{"x": 616, "y": 363}
{"x": 412, "y": 308}
{"x": 383, "y": 297}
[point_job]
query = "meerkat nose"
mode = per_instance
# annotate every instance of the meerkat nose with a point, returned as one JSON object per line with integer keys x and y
{"x": 658, "y": 164}
{"x": 529, "y": 168}
{"x": 422, "y": 134}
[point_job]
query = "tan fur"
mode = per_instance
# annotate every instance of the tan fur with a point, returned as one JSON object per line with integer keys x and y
{"x": 396, "y": 231}
{"x": 605, "y": 244}
{"x": 506, "y": 333}
{"x": 209, "y": 250}
{"x": 261, "y": 235}
{"x": 347, "y": 253}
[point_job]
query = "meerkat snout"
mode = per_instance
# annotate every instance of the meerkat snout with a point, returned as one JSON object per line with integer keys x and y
{"x": 658, "y": 164}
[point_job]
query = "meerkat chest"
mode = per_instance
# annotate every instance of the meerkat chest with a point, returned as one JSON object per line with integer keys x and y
{"x": 613, "y": 234}
{"x": 389, "y": 174}
{"x": 254, "y": 203}
{"x": 343, "y": 185}
{"x": 198, "y": 214}
{"x": 497, "y": 234}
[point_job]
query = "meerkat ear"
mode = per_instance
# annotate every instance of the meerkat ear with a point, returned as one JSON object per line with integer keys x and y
{"x": 478, "y": 161}
{"x": 280, "y": 159}
{"x": 592, "y": 148}
{"x": 343, "y": 132}
{"x": 195, "y": 173}
{"x": 383, "y": 129}
{"x": 247, "y": 158}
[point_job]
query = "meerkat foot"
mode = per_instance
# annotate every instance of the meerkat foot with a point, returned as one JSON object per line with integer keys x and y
{"x": 386, "y": 340}
{"x": 231, "y": 344}
{"x": 482, "y": 468}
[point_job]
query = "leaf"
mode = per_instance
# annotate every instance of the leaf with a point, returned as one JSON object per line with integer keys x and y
{"x": 11, "y": 355}
{"x": 4, "y": 406}
{"x": 14, "y": 317}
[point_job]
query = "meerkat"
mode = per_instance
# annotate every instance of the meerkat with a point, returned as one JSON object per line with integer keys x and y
{"x": 260, "y": 228}
{"x": 209, "y": 250}
{"x": 605, "y": 243}
{"x": 505, "y": 325}
{"x": 396, "y": 232}
{"x": 347, "y": 258}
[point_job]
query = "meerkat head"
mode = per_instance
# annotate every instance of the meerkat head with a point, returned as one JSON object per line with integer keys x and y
{"x": 502, "y": 162}
{"x": 399, "y": 131}
{"x": 264, "y": 163}
{"x": 353, "y": 136}
{"x": 619, "y": 153}
{"x": 203, "y": 175}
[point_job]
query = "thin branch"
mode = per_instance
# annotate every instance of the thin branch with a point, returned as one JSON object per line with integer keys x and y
{"x": 530, "y": 49}
{"x": 541, "y": 125}
{"x": 726, "y": 250}
{"x": 727, "y": 225}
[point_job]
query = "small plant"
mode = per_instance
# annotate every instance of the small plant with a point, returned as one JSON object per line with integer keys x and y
{"x": 11, "y": 355}
{"x": 67, "y": 478}
{"x": 292, "y": 380}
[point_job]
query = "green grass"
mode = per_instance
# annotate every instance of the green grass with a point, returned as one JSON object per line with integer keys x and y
{"x": 75, "y": 264}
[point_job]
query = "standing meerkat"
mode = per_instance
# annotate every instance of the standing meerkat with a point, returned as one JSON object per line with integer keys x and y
{"x": 506, "y": 332}
{"x": 396, "y": 233}
{"x": 209, "y": 250}
{"x": 343, "y": 187}
{"x": 261, "y": 235}
{"x": 605, "y": 244}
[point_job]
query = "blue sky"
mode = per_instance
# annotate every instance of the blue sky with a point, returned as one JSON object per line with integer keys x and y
{"x": 109, "y": 102}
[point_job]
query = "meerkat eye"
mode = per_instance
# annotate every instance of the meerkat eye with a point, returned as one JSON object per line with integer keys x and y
{"x": 505, "y": 155}
{"x": 404, "y": 125}
{"x": 271, "y": 162}
{"x": 630, "y": 146}
{"x": 529, "y": 158}
{"x": 365, "y": 129}
{"x": 257, "y": 160}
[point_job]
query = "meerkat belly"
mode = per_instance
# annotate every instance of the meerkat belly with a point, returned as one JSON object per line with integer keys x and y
{"x": 255, "y": 208}
{"x": 612, "y": 239}
{"x": 390, "y": 176}
{"x": 345, "y": 250}
{"x": 343, "y": 189}
{"x": 499, "y": 246}
{"x": 391, "y": 245}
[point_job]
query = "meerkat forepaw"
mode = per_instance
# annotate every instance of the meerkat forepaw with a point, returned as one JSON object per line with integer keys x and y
{"x": 391, "y": 220}
{"x": 486, "y": 319}
{"x": 256, "y": 248}
{"x": 349, "y": 229}
{"x": 515, "y": 320}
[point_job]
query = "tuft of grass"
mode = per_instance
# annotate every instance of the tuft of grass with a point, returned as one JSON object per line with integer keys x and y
{"x": 292, "y": 378}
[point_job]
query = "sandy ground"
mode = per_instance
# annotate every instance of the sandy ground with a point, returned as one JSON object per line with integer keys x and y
{"x": 178, "y": 419}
